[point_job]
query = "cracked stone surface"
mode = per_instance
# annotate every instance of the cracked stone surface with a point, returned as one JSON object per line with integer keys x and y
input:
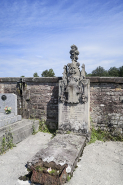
{"x": 63, "y": 151}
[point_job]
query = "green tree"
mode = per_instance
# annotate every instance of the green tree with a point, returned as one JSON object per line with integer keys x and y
{"x": 121, "y": 71}
{"x": 22, "y": 76}
{"x": 35, "y": 74}
{"x": 113, "y": 71}
{"x": 99, "y": 71}
{"x": 48, "y": 73}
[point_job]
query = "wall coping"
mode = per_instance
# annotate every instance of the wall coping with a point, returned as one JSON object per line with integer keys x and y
{"x": 95, "y": 79}
{"x": 98, "y": 79}
{"x": 31, "y": 79}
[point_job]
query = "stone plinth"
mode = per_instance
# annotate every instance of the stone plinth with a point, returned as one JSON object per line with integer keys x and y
{"x": 61, "y": 155}
{"x": 74, "y": 117}
{"x": 7, "y": 119}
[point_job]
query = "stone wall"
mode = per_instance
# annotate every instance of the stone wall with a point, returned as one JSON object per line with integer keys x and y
{"x": 40, "y": 99}
{"x": 106, "y": 102}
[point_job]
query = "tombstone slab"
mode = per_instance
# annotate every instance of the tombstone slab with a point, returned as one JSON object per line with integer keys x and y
{"x": 61, "y": 155}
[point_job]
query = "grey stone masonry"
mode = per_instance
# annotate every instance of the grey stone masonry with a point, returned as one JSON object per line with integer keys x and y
{"x": 74, "y": 97}
{"x": 8, "y": 119}
{"x": 19, "y": 130}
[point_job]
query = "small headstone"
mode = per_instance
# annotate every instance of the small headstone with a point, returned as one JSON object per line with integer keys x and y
{"x": 10, "y": 100}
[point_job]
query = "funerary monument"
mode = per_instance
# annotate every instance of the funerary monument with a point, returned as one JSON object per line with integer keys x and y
{"x": 55, "y": 163}
{"x": 74, "y": 97}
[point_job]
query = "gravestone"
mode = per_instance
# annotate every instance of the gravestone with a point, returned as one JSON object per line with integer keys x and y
{"x": 12, "y": 127}
{"x": 10, "y": 100}
{"x": 74, "y": 97}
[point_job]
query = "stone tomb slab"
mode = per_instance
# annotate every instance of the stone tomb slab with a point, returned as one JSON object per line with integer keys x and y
{"x": 10, "y": 100}
{"x": 61, "y": 155}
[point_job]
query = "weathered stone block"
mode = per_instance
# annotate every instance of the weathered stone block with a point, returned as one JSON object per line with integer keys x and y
{"x": 61, "y": 154}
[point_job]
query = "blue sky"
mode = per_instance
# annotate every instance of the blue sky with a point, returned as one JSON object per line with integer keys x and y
{"x": 36, "y": 35}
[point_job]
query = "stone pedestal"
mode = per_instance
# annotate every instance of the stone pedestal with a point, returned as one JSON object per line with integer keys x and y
{"x": 75, "y": 117}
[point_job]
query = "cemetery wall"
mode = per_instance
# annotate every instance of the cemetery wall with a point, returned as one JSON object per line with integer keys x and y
{"x": 106, "y": 102}
{"x": 40, "y": 99}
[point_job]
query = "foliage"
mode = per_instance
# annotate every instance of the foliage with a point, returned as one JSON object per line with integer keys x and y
{"x": 68, "y": 177}
{"x": 121, "y": 71}
{"x": 103, "y": 136}
{"x": 7, "y": 143}
{"x": 99, "y": 71}
{"x": 33, "y": 130}
{"x": 113, "y": 71}
{"x": 22, "y": 76}
{"x": 45, "y": 128}
{"x": 39, "y": 168}
{"x": 3, "y": 145}
{"x": 35, "y": 74}
{"x": 48, "y": 73}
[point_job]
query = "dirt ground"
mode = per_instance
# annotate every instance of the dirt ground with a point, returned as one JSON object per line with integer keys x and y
{"x": 100, "y": 164}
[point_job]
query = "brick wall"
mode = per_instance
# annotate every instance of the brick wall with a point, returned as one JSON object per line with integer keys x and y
{"x": 40, "y": 99}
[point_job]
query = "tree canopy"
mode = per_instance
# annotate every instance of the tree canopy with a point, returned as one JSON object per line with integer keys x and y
{"x": 48, "y": 73}
{"x": 113, "y": 72}
{"x": 99, "y": 71}
{"x": 35, "y": 74}
{"x": 121, "y": 71}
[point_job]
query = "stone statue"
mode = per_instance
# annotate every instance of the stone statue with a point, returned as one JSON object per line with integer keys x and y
{"x": 71, "y": 88}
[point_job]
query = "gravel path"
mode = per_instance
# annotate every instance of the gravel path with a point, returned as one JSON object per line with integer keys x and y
{"x": 101, "y": 163}
{"x": 12, "y": 163}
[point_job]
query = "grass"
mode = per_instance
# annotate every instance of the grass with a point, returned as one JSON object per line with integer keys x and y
{"x": 7, "y": 143}
{"x": 103, "y": 136}
{"x": 40, "y": 169}
{"x": 45, "y": 128}
{"x": 68, "y": 177}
